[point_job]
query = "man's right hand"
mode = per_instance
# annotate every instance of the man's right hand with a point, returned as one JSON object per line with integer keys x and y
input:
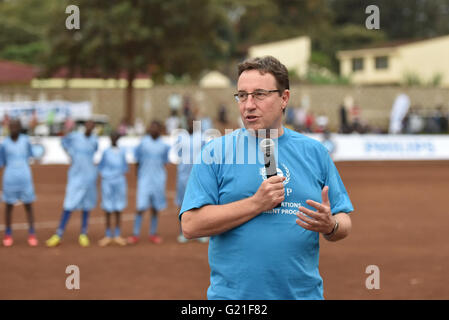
{"x": 270, "y": 193}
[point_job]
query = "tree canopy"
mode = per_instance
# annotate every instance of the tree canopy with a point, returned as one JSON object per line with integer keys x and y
{"x": 182, "y": 37}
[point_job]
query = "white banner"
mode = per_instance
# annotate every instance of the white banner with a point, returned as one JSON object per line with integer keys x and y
{"x": 388, "y": 147}
{"x": 345, "y": 147}
{"x": 57, "y": 109}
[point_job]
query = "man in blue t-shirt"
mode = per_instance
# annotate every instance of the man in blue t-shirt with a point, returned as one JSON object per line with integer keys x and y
{"x": 265, "y": 231}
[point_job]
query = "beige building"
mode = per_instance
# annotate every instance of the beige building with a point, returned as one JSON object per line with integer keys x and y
{"x": 425, "y": 61}
{"x": 293, "y": 53}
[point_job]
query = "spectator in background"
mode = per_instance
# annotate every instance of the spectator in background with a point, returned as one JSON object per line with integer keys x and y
{"x": 33, "y": 122}
{"x": 123, "y": 127}
{"x": 321, "y": 124}
{"x": 174, "y": 102}
{"x": 222, "y": 114}
{"x": 5, "y": 125}
{"x": 413, "y": 121}
{"x": 139, "y": 127}
{"x": 173, "y": 122}
{"x": 344, "y": 126}
{"x": 442, "y": 119}
{"x": 187, "y": 110}
{"x": 310, "y": 122}
{"x": 299, "y": 119}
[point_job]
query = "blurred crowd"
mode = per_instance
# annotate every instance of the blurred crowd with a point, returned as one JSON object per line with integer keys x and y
{"x": 405, "y": 118}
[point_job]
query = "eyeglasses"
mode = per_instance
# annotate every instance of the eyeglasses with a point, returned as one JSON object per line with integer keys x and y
{"x": 260, "y": 94}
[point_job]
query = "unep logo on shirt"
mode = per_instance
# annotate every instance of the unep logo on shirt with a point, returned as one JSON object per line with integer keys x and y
{"x": 285, "y": 173}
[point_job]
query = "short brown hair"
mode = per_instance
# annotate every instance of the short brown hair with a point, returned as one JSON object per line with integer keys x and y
{"x": 268, "y": 64}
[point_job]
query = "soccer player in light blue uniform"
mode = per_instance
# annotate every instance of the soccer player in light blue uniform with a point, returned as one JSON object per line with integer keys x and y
{"x": 15, "y": 152}
{"x": 151, "y": 156}
{"x": 258, "y": 250}
{"x": 112, "y": 169}
{"x": 188, "y": 147}
{"x": 81, "y": 190}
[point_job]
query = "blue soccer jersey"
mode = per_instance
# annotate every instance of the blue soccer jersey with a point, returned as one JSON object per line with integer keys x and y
{"x": 270, "y": 256}
{"x": 151, "y": 155}
{"x": 17, "y": 177}
{"x": 81, "y": 190}
{"x": 112, "y": 169}
{"x": 188, "y": 148}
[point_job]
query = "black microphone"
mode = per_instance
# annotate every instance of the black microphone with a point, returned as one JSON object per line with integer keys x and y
{"x": 267, "y": 147}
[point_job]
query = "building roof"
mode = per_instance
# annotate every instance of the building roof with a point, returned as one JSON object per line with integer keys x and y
{"x": 12, "y": 72}
{"x": 390, "y": 45}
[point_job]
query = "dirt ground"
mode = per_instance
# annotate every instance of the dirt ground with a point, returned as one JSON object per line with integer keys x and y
{"x": 400, "y": 225}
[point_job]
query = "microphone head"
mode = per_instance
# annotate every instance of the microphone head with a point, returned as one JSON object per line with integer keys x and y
{"x": 267, "y": 145}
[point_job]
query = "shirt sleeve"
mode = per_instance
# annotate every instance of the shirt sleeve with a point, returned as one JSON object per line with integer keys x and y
{"x": 166, "y": 153}
{"x": 2, "y": 156}
{"x": 338, "y": 195}
{"x": 137, "y": 153}
{"x": 202, "y": 187}
{"x": 30, "y": 153}
{"x": 66, "y": 141}
{"x": 95, "y": 144}
{"x": 102, "y": 161}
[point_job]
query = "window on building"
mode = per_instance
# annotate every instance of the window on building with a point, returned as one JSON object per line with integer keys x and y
{"x": 382, "y": 62}
{"x": 357, "y": 64}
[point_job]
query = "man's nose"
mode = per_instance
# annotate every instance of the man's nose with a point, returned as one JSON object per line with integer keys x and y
{"x": 250, "y": 103}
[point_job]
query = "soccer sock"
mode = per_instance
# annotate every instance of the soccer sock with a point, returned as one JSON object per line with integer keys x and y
{"x": 108, "y": 233}
{"x": 137, "y": 224}
{"x": 31, "y": 230}
{"x": 153, "y": 226}
{"x": 64, "y": 219}
{"x": 117, "y": 231}
{"x": 8, "y": 231}
{"x": 84, "y": 222}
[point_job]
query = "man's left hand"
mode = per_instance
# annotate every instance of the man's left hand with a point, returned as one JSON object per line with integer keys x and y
{"x": 321, "y": 220}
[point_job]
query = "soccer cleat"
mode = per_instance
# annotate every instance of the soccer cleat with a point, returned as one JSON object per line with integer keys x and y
{"x": 83, "y": 240}
{"x": 182, "y": 239}
{"x": 120, "y": 241}
{"x": 133, "y": 239}
{"x": 155, "y": 239}
{"x": 32, "y": 240}
{"x": 8, "y": 241}
{"x": 105, "y": 242}
{"x": 54, "y": 241}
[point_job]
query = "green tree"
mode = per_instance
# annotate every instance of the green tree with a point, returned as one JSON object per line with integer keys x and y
{"x": 155, "y": 37}
{"x": 22, "y": 29}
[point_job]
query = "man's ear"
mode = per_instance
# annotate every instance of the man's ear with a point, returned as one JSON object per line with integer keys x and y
{"x": 285, "y": 98}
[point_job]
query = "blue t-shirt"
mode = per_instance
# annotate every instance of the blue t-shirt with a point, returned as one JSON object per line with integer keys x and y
{"x": 15, "y": 156}
{"x": 81, "y": 150}
{"x": 188, "y": 146}
{"x": 113, "y": 164}
{"x": 270, "y": 256}
{"x": 152, "y": 155}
